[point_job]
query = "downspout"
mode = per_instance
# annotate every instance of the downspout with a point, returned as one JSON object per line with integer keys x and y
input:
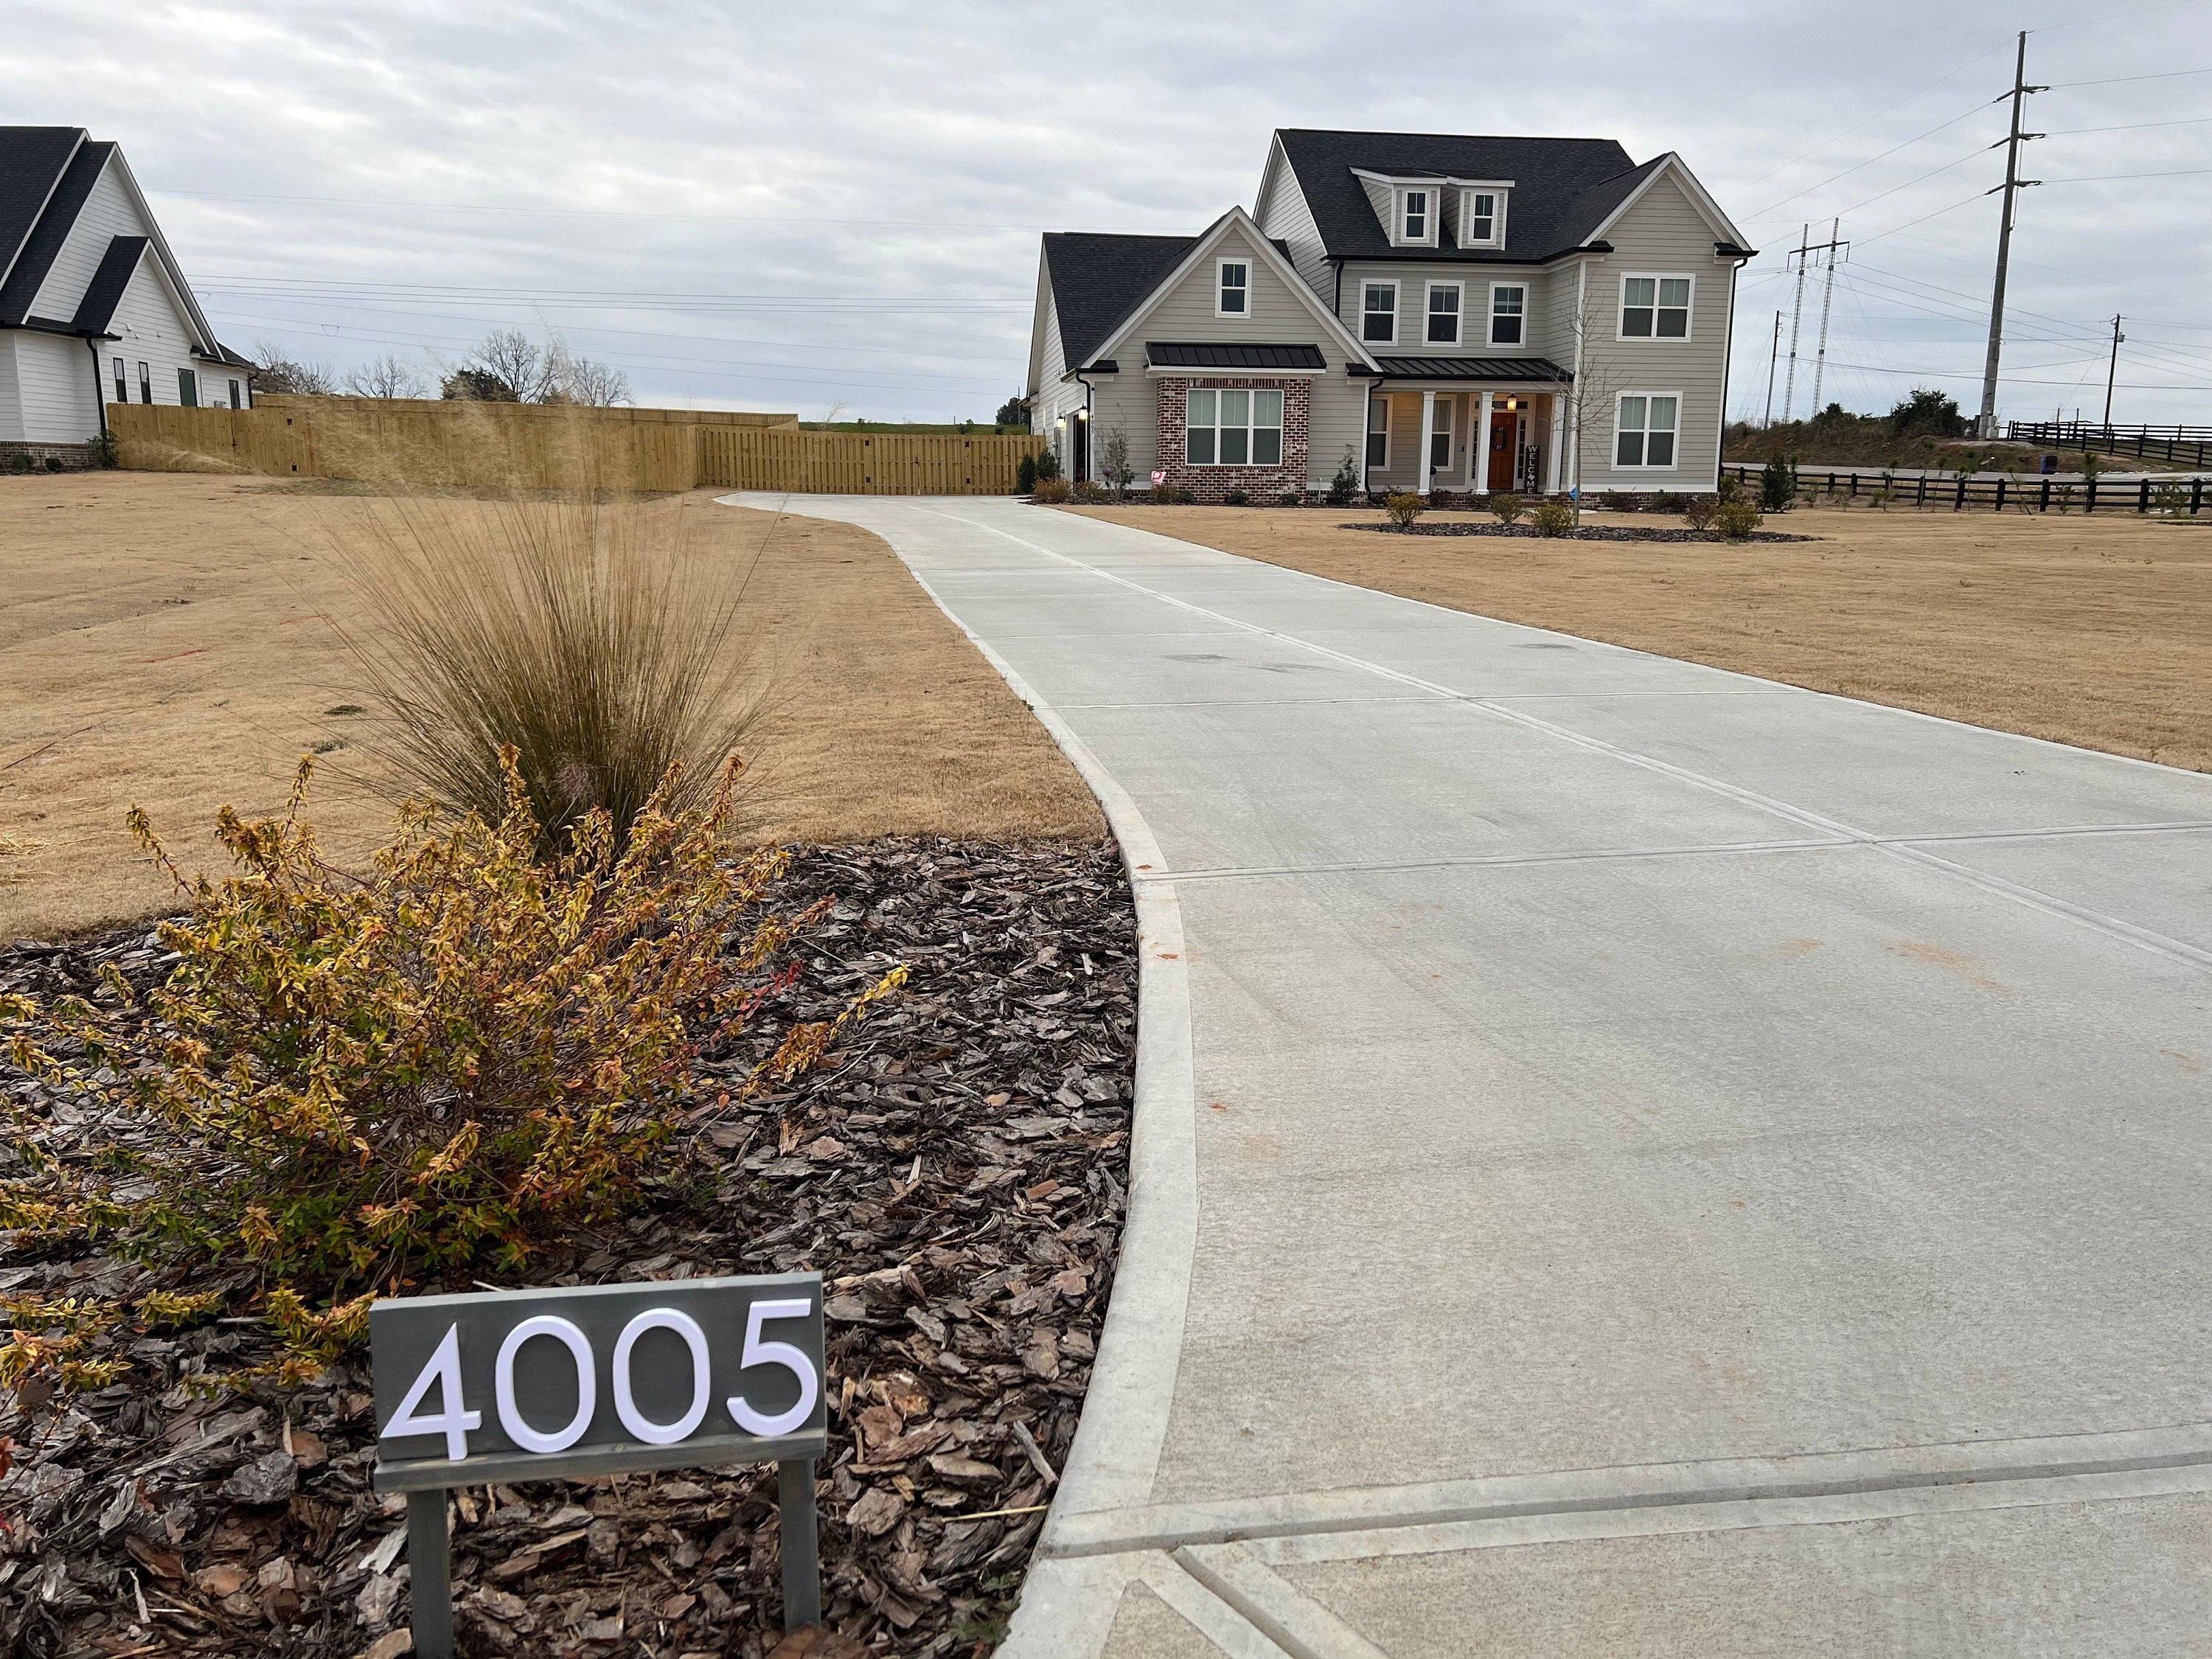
{"x": 1575, "y": 402}
{"x": 1366, "y": 425}
{"x": 99, "y": 399}
{"x": 1727, "y": 354}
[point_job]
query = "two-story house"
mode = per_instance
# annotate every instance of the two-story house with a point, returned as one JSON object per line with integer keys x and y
{"x": 1443, "y": 314}
{"x": 94, "y": 307}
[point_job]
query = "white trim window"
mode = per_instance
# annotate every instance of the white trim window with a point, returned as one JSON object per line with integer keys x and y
{"x": 122, "y": 383}
{"x": 1482, "y": 218}
{"x": 1378, "y": 433}
{"x": 1644, "y": 428}
{"x": 1232, "y": 427}
{"x": 145, "y": 382}
{"x": 1655, "y": 307}
{"x": 1378, "y": 313}
{"x": 1232, "y": 287}
{"x": 1444, "y": 305}
{"x": 1440, "y": 437}
{"x": 1416, "y": 216}
{"x": 235, "y": 402}
{"x": 1509, "y": 313}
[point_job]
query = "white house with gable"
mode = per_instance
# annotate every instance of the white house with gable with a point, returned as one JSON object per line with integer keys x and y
{"x": 94, "y": 308}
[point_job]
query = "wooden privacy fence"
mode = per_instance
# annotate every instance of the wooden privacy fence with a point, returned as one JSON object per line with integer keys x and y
{"x": 2028, "y": 494}
{"x": 495, "y": 445}
{"x": 863, "y": 463}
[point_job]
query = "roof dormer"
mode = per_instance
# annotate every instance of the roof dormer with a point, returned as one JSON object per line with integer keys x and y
{"x": 1417, "y": 208}
{"x": 1479, "y": 220}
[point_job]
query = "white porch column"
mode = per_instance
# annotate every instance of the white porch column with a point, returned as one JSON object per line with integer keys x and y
{"x": 1480, "y": 480}
{"x": 1428, "y": 432}
{"x": 1557, "y": 446}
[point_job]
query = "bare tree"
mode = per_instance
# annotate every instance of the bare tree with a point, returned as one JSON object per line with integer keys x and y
{"x": 385, "y": 377}
{"x": 276, "y": 371}
{"x": 586, "y": 380}
{"x": 517, "y": 362}
{"x": 1592, "y": 391}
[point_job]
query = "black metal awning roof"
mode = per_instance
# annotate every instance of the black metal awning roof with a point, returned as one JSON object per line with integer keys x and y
{"x": 1242, "y": 354}
{"x": 1471, "y": 369}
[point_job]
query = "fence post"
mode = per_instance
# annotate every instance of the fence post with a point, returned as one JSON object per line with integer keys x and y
{"x": 1921, "y": 499}
{"x": 2090, "y": 497}
{"x": 1960, "y": 500}
{"x": 1855, "y": 486}
{"x": 2196, "y": 495}
{"x": 2142, "y": 497}
{"x": 2046, "y": 496}
{"x": 2001, "y": 493}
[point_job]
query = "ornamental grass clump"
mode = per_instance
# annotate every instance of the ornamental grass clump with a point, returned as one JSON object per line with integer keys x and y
{"x": 403, "y": 1079}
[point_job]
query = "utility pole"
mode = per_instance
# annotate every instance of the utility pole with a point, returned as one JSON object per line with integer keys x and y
{"x": 1827, "y": 299}
{"x": 1796, "y": 311}
{"x": 2013, "y": 184}
{"x": 1773, "y": 352}
{"x": 2112, "y": 373}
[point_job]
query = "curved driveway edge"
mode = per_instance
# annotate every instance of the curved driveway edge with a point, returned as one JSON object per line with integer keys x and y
{"x": 1681, "y": 1163}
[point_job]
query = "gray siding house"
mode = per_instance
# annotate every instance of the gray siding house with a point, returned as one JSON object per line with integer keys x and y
{"x": 1448, "y": 315}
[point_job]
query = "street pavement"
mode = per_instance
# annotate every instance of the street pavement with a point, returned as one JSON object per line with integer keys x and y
{"x": 1630, "y": 1158}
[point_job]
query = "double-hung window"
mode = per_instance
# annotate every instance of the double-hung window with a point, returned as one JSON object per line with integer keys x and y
{"x": 1233, "y": 428}
{"x": 235, "y": 402}
{"x": 1440, "y": 436}
{"x": 1378, "y": 433}
{"x": 1416, "y": 215}
{"x": 1378, "y": 313}
{"x": 122, "y": 383}
{"x": 1655, "y": 308}
{"x": 188, "y": 388}
{"x": 1444, "y": 313}
{"x": 1508, "y": 304}
{"x": 145, "y": 384}
{"x": 1233, "y": 291}
{"x": 1479, "y": 220}
{"x": 1643, "y": 428}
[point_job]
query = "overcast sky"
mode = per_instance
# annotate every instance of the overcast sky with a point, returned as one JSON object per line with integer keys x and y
{"x": 793, "y": 207}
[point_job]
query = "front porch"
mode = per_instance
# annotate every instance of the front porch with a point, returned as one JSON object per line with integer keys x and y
{"x": 1498, "y": 428}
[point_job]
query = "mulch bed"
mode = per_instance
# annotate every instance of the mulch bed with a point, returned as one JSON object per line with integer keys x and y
{"x": 955, "y": 1169}
{"x": 1588, "y": 533}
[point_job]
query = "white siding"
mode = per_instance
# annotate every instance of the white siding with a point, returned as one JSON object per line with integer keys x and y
{"x": 11, "y": 397}
{"x": 1284, "y": 217}
{"x": 54, "y": 381}
{"x": 106, "y": 214}
{"x": 153, "y": 332}
{"x": 1662, "y": 235}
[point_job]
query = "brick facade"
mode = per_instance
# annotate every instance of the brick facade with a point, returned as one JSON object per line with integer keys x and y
{"x": 73, "y": 458}
{"x": 1261, "y": 484}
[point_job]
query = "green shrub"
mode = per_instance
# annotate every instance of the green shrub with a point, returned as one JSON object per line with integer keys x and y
{"x": 1289, "y": 498}
{"x": 1089, "y": 490}
{"x": 104, "y": 451}
{"x": 1697, "y": 511}
{"x": 1048, "y": 465}
{"x": 1736, "y": 519}
{"x": 1777, "y": 485}
{"x": 1553, "y": 519}
{"x": 1506, "y": 507}
{"x": 1620, "y": 501}
{"x": 1051, "y": 490}
{"x": 1172, "y": 495}
{"x": 1730, "y": 487}
{"x": 1406, "y": 506}
{"x": 1235, "y": 498}
{"x": 1025, "y": 474}
{"x": 360, "y": 1085}
{"x": 587, "y": 636}
{"x": 1346, "y": 484}
{"x": 2169, "y": 499}
{"x": 54, "y": 464}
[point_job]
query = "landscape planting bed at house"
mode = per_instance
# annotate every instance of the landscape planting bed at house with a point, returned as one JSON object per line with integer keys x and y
{"x": 2087, "y": 631}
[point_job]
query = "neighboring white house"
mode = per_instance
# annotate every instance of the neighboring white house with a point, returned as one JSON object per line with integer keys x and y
{"x": 1434, "y": 313}
{"x": 93, "y": 305}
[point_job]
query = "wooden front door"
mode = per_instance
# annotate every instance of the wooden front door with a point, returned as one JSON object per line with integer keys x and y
{"x": 1504, "y": 429}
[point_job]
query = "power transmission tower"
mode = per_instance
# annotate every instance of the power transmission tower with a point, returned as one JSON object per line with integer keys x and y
{"x": 1827, "y": 299}
{"x": 1773, "y": 352}
{"x": 2013, "y": 184}
{"x": 1796, "y": 311}
{"x": 2112, "y": 373}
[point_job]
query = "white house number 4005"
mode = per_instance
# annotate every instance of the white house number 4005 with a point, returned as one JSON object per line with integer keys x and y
{"x": 454, "y": 1419}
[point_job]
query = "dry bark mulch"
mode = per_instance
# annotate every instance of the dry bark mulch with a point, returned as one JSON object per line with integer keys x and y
{"x": 956, "y": 1171}
{"x": 1588, "y": 533}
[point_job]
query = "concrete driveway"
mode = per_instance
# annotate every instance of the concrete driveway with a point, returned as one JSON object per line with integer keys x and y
{"x": 1631, "y": 1157}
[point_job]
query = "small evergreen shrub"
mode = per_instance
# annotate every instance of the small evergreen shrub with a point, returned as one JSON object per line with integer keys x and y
{"x": 1235, "y": 498}
{"x": 1620, "y": 501}
{"x": 1346, "y": 484}
{"x": 1736, "y": 519}
{"x": 1025, "y": 475}
{"x": 1173, "y": 496}
{"x": 104, "y": 451}
{"x": 1506, "y": 507}
{"x": 1553, "y": 519}
{"x": 1777, "y": 485}
{"x": 1048, "y": 465}
{"x": 1050, "y": 491}
{"x": 54, "y": 464}
{"x": 1404, "y": 507}
{"x": 1289, "y": 498}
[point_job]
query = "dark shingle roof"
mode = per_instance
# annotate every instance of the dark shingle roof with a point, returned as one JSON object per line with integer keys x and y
{"x": 1098, "y": 279}
{"x": 105, "y": 292}
{"x": 31, "y": 161}
{"x": 1560, "y": 187}
{"x": 1235, "y": 354}
{"x": 52, "y": 230}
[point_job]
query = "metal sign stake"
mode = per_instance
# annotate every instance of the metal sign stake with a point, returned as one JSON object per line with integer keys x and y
{"x": 802, "y": 1574}
{"x": 429, "y": 1577}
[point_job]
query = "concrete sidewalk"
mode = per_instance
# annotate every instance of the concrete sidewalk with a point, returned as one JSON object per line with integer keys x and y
{"x": 1630, "y": 1158}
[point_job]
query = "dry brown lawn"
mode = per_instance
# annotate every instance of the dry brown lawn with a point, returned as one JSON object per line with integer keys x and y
{"x": 165, "y": 639}
{"x": 2091, "y": 631}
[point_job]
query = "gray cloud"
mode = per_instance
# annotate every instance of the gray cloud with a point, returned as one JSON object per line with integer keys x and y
{"x": 784, "y": 207}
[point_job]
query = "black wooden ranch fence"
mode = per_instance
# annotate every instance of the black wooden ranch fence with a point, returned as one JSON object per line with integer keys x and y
{"x": 2171, "y": 443}
{"x": 2023, "y": 494}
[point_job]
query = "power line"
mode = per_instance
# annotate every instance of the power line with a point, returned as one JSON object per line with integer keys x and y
{"x": 1871, "y": 160}
{"x": 2119, "y": 80}
{"x": 2107, "y": 178}
{"x": 1877, "y": 116}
